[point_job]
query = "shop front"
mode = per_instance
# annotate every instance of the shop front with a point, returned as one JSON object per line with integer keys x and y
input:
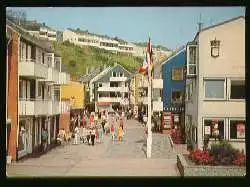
{"x": 24, "y": 137}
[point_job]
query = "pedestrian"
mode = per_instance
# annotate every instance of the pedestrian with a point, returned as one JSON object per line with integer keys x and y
{"x": 96, "y": 118}
{"x": 92, "y": 137}
{"x": 97, "y": 138}
{"x": 44, "y": 139}
{"x": 76, "y": 139}
{"x": 112, "y": 131}
{"x": 120, "y": 133}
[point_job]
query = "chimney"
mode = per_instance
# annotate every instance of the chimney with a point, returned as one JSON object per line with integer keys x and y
{"x": 200, "y": 24}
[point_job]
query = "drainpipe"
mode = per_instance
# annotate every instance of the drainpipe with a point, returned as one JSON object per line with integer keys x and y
{"x": 7, "y": 77}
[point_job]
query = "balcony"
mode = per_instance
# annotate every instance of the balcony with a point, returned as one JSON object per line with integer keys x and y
{"x": 113, "y": 89}
{"x": 157, "y": 83}
{"x": 53, "y": 75}
{"x": 33, "y": 107}
{"x": 109, "y": 99}
{"x": 118, "y": 79}
{"x": 53, "y": 107}
{"x": 29, "y": 68}
{"x": 64, "y": 78}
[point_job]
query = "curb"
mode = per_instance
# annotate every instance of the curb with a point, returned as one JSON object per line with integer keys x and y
{"x": 171, "y": 141}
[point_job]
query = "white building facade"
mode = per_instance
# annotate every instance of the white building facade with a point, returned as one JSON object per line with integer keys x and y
{"x": 39, "y": 104}
{"x": 215, "y": 84}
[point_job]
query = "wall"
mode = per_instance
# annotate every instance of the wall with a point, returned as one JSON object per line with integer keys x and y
{"x": 168, "y": 83}
{"x": 230, "y": 64}
{"x": 74, "y": 89}
{"x": 64, "y": 121}
{"x": 13, "y": 92}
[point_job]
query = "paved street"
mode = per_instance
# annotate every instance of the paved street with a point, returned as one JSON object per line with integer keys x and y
{"x": 107, "y": 159}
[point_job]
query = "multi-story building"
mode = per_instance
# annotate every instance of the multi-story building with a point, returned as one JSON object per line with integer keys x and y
{"x": 111, "y": 88}
{"x": 173, "y": 74}
{"x": 45, "y": 33}
{"x": 34, "y": 102}
{"x": 215, "y": 94}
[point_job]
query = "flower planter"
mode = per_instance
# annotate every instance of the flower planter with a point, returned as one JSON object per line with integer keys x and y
{"x": 187, "y": 169}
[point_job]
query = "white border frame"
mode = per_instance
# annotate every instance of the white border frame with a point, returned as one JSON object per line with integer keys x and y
{"x": 213, "y": 118}
{"x": 215, "y": 79}
{"x": 233, "y": 139}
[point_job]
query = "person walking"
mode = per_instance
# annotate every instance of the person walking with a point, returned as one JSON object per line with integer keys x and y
{"x": 120, "y": 133}
{"x": 112, "y": 131}
{"x": 44, "y": 139}
{"x": 97, "y": 137}
{"x": 101, "y": 133}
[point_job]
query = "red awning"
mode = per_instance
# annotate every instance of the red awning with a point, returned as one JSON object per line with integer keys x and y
{"x": 103, "y": 103}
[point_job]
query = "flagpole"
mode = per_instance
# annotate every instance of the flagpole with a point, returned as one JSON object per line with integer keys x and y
{"x": 149, "y": 139}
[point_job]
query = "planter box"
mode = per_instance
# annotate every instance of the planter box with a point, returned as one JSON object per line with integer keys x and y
{"x": 199, "y": 170}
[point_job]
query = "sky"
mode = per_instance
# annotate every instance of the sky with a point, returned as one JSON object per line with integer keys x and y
{"x": 171, "y": 27}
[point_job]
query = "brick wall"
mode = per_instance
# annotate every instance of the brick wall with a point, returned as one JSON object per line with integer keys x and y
{"x": 13, "y": 93}
{"x": 64, "y": 121}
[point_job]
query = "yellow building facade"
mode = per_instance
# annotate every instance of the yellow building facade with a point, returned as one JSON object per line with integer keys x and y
{"x": 75, "y": 92}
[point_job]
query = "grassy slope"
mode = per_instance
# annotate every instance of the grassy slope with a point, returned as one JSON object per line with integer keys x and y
{"x": 92, "y": 57}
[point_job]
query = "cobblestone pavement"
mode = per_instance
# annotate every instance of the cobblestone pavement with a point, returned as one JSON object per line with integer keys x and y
{"x": 109, "y": 158}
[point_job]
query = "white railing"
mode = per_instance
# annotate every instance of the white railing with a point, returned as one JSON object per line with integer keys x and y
{"x": 55, "y": 75}
{"x": 64, "y": 78}
{"x": 29, "y": 67}
{"x": 109, "y": 99}
{"x": 118, "y": 79}
{"x": 112, "y": 89}
{"x": 33, "y": 107}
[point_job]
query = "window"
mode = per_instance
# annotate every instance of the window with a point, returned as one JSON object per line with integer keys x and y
{"x": 99, "y": 84}
{"x": 39, "y": 89}
{"x": 114, "y": 74}
{"x": 214, "y": 89}
{"x": 191, "y": 59}
{"x": 237, "y": 89}
{"x": 121, "y": 74}
{"x": 215, "y": 48}
{"x": 237, "y": 129}
{"x": 212, "y": 127}
{"x": 113, "y": 84}
{"x": 177, "y": 74}
{"x": 176, "y": 96}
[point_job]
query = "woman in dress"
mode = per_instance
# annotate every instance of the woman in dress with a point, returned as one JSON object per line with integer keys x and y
{"x": 120, "y": 133}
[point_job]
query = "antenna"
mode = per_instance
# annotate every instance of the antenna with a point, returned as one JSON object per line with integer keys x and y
{"x": 200, "y": 24}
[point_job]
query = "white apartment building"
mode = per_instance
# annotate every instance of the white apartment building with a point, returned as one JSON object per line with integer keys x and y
{"x": 39, "y": 105}
{"x": 215, "y": 84}
{"x": 84, "y": 38}
{"x": 44, "y": 33}
{"x": 112, "y": 88}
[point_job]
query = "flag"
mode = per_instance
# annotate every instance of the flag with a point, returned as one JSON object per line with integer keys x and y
{"x": 144, "y": 69}
{"x": 149, "y": 54}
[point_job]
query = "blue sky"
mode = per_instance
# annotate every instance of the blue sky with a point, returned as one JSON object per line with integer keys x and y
{"x": 168, "y": 26}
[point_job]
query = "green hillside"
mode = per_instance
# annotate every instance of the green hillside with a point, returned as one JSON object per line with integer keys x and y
{"x": 78, "y": 58}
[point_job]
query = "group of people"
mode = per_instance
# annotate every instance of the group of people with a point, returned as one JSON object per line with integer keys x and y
{"x": 92, "y": 129}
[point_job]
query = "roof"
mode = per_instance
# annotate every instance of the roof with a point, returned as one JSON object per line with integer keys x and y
{"x": 46, "y": 45}
{"x": 88, "y": 77}
{"x": 174, "y": 54}
{"x": 113, "y": 68}
{"x": 218, "y": 24}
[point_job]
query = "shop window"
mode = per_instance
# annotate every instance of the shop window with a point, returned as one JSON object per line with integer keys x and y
{"x": 214, "y": 128}
{"x": 237, "y": 89}
{"x": 214, "y": 89}
{"x": 237, "y": 129}
{"x": 177, "y": 74}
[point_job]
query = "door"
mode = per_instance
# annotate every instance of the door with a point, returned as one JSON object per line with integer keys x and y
{"x": 43, "y": 87}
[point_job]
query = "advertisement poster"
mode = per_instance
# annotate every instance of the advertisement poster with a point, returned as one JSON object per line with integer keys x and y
{"x": 207, "y": 130}
{"x": 240, "y": 130}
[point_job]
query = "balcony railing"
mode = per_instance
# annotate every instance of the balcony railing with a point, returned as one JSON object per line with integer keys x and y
{"x": 118, "y": 79}
{"x": 53, "y": 75}
{"x": 29, "y": 68}
{"x": 109, "y": 99}
{"x": 112, "y": 89}
{"x": 33, "y": 107}
{"x": 64, "y": 78}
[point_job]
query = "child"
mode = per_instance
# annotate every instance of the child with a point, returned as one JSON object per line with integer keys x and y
{"x": 112, "y": 131}
{"x": 120, "y": 133}
{"x": 97, "y": 136}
